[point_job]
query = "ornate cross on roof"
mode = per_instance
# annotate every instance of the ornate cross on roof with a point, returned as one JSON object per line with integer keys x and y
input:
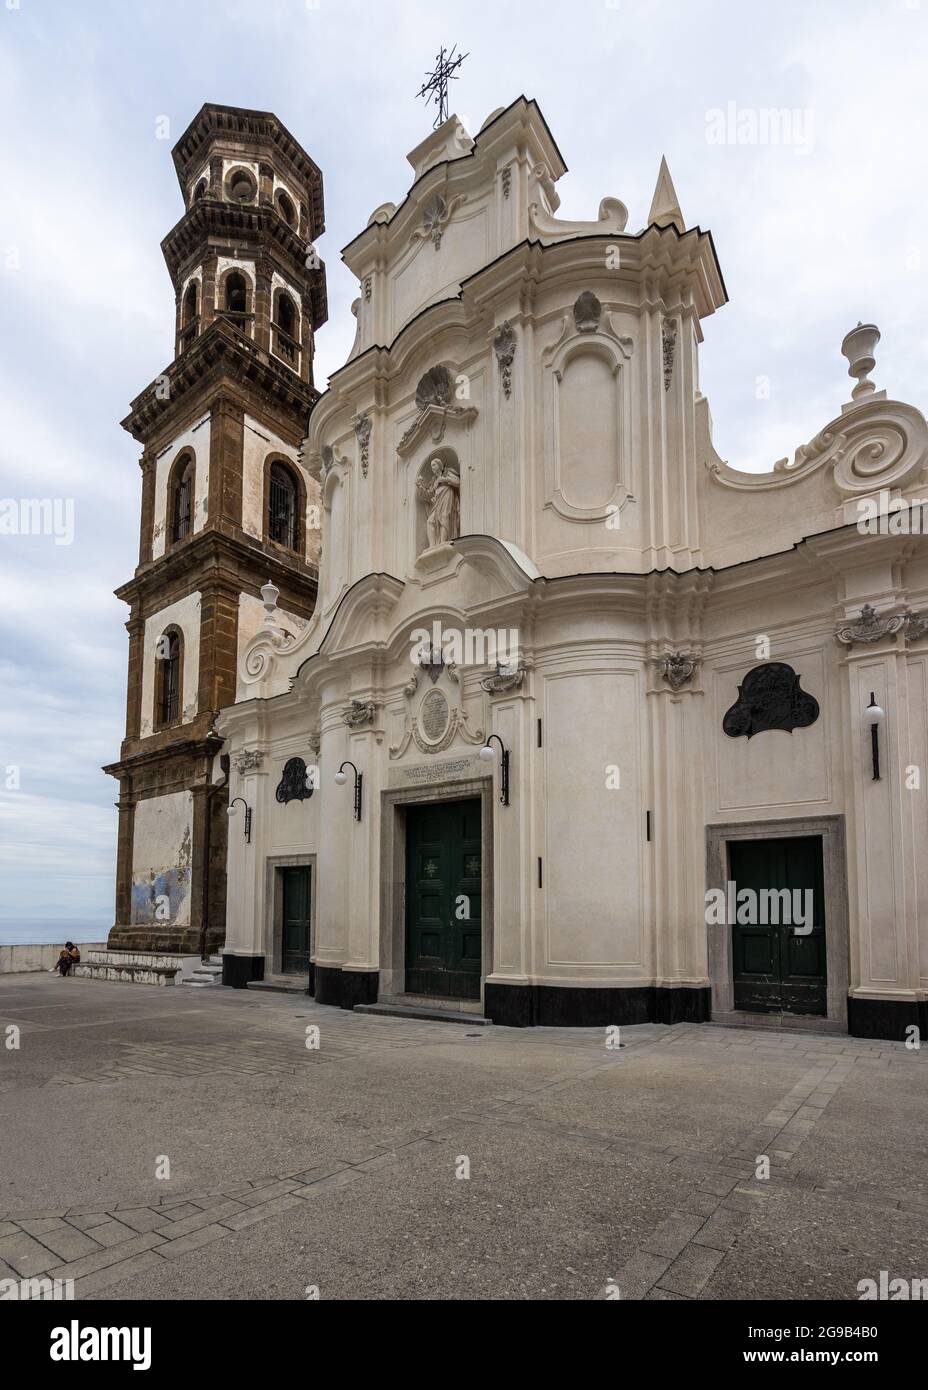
{"x": 436, "y": 88}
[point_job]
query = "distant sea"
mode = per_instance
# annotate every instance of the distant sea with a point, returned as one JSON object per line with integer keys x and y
{"x": 51, "y": 931}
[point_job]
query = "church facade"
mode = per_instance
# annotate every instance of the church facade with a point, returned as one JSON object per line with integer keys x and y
{"x": 584, "y": 726}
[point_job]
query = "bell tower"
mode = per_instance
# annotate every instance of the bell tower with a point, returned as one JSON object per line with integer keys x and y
{"x": 226, "y": 506}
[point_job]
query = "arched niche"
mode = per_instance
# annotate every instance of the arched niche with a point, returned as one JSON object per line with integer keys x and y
{"x": 588, "y": 426}
{"x": 334, "y": 558}
{"x": 422, "y": 480}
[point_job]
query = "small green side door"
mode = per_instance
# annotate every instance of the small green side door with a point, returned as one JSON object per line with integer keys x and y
{"x": 296, "y": 886}
{"x": 443, "y": 899}
{"x": 776, "y": 969}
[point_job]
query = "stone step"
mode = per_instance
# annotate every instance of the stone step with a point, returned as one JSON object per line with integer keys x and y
{"x": 203, "y": 978}
{"x": 127, "y": 974}
{"x": 436, "y": 1013}
{"x": 281, "y": 984}
{"x": 140, "y": 967}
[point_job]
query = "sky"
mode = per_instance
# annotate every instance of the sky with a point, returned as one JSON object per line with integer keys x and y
{"x": 815, "y": 232}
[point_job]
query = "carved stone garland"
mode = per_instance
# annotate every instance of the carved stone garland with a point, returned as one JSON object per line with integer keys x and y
{"x": 362, "y": 429}
{"x": 504, "y": 345}
{"x": 668, "y": 344}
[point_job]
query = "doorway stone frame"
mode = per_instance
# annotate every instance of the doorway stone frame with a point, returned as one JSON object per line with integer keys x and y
{"x": 274, "y": 906}
{"x": 834, "y": 864}
{"x": 393, "y": 806}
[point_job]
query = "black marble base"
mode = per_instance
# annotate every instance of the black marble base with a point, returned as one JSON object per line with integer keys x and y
{"x": 886, "y": 1018}
{"x": 238, "y": 970}
{"x": 342, "y": 989}
{"x": 561, "y": 1006}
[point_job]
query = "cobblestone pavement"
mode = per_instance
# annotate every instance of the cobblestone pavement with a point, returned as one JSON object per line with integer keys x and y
{"x": 337, "y": 1167}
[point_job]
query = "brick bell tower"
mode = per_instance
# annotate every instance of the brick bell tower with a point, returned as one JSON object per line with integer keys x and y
{"x": 226, "y": 506}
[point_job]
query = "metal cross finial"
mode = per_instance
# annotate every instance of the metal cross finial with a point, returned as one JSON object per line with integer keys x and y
{"x": 436, "y": 88}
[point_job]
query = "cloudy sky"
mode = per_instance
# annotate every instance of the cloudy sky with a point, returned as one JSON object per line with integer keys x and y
{"x": 813, "y": 235}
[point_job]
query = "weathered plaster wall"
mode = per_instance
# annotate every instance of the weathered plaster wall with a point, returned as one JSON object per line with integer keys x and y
{"x": 161, "y": 859}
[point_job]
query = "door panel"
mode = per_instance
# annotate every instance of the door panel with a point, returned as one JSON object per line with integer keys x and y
{"x": 444, "y": 946}
{"x": 774, "y": 969}
{"x": 296, "y": 887}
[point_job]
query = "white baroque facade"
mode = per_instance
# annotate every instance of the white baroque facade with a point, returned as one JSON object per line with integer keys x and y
{"x": 684, "y": 655}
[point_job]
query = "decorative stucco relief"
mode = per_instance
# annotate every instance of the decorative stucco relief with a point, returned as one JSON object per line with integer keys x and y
{"x": 870, "y": 627}
{"x": 436, "y": 214}
{"x": 359, "y": 713}
{"x": 678, "y": 668}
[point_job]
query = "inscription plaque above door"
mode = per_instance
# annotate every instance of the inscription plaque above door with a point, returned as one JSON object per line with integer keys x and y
{"x": 434, "y": 713}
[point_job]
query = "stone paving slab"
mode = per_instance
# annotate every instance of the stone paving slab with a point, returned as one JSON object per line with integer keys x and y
{"x": 589, "y": 1169}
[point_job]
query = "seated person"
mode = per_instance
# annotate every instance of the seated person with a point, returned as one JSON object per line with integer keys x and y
{"x": 68, "y": 956}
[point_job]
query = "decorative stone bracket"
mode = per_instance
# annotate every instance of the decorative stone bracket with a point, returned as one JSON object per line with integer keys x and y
{"x": 249, "y": 760}
{"x": 677, "y": 668}
{"x": 504, "y": 679}
{"x": 359, "y": 713}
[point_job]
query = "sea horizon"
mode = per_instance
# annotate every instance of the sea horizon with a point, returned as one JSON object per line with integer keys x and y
{"x": 49, "y": 931}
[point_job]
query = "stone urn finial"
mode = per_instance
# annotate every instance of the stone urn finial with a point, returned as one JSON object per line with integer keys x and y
{"x": 858, "y": 347}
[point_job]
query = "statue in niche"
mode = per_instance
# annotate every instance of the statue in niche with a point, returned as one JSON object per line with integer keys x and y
{"x": 440, "y": 494}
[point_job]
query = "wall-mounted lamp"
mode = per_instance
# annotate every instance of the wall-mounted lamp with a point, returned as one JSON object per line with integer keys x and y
{"x": 876, "y": 714}
{"x": 231, "y": 812}
{"x": 341, "y": 778}
{"x": 486, "y": 755}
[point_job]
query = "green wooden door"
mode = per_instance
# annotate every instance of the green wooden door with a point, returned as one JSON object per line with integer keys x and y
{"x": 775, "y": 968}
{"x": 443, "y": 881}
{"x": 296, "y": 886}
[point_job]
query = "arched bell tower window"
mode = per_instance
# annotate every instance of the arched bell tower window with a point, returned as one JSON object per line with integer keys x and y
{"x": 200, "y": 190}
{"x": 285, "y": 327}
{"x": 190, "y": 303}
{"x": 285, "y": 208}
{"x": 188, "y": 316}
{"x": 181, "y": 498}
{"x": 241, "y": 186}
{"x": 236, "y": 293}
{"x": 168, "y": 673}
{"x": 282, "y": 512}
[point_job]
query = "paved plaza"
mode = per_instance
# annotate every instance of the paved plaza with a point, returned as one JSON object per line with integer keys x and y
{"x": 337, "y": 1168}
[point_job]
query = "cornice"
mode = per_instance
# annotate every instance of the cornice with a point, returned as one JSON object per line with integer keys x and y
{"x": 211, "y": 550}
{"x": 220, "y": 351}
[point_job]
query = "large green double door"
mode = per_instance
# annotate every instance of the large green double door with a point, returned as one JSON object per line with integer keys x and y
{"x": 443, "y": 887}
{"x": 775, "y": 967}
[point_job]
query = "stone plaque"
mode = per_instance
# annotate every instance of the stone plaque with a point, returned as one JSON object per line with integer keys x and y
{"x": 447, "y": 770}
{"x": 433, "y": 716}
